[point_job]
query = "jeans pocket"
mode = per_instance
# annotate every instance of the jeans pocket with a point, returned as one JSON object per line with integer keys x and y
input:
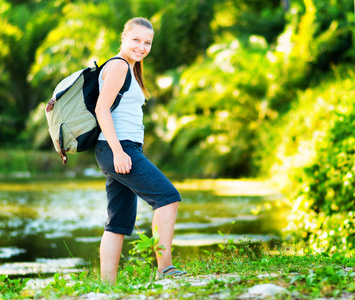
{"x": 104, "y": 156}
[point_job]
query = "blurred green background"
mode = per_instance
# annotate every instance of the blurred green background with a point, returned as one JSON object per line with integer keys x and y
{"x": 257, "y": 88}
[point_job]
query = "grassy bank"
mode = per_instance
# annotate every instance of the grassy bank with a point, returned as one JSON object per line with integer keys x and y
{"x": 30, "y": 162}
{"x": 299, "y": 271}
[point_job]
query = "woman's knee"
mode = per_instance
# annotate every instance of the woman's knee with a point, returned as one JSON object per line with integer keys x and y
{"x": 171, "y": 207}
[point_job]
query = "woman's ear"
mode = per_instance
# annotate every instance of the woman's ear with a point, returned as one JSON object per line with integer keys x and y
{"x": 122, "y": 37}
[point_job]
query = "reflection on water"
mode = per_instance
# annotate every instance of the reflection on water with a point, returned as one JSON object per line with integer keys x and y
{"x": 42, "y": 265}
{"x": 7, "y": 252}
{"x": 58, "y": 219}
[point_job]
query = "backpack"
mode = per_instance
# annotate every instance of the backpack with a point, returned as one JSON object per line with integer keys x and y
{"x": 70, "y": 113}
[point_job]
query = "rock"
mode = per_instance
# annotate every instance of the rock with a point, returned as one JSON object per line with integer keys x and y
{"x": 96, "y": 296}
{"x": 37, "y": 284}
{"x": 43, "y": 266}
{"x": 261, "y": 291}
{"x": 272, "y": 275}
{"x": 343, "y": 296}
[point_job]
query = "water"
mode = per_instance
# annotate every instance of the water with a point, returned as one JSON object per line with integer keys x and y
{"x": 49, "y": 219}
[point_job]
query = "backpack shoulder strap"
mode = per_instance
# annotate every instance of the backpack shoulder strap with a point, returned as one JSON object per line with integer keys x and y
{"x": 126, "y": 84}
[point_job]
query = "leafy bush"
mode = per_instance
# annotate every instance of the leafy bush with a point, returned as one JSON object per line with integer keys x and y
{"x": 224, "y": 118}
{"x": 211, "y": 124}
{"x": 328, "y": 191}
{"x": 317, "y": 158}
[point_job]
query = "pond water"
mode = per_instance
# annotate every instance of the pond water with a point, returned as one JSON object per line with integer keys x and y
{"x": 55, "y": 218}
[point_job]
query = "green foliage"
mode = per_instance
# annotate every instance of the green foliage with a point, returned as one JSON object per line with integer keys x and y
{"x": 146, "y": 245}
{"x": 20, "y": 37}
{"x": 11, "y": 288}
{"x": 30, "y": 162}
{"x": 329, "y": 277}
{"x": 147, "y": 248}
{"x": 214, "y": 118}
{"x": 245, "y": 18}
{"x": 316, "y": 163}
{"x": 328, "y": 188}
{"x": 303, "y": 53}
{"x": 36, "y": 131}
{"x": 182, "y": 32}
{"x": 221, "y": 121}
{"x": 76, "y": 43}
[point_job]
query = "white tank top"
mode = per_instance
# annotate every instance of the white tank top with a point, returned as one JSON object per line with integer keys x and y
{"x": 128, "y": 115}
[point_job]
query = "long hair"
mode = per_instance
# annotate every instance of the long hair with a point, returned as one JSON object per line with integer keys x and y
{"x": 138, "y": 67}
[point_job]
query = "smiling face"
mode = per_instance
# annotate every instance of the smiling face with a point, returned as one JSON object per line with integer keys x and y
{"x": 136, "y": 43}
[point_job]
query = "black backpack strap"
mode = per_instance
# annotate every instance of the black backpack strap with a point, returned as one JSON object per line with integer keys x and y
{"x": 126, "y": 84}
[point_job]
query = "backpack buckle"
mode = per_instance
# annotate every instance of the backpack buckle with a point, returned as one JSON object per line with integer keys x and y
{"x": 63, "y": 156}
{"x": 62, "y": 153}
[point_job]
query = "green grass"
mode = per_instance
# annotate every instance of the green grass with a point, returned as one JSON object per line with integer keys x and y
{"x": 14, "y": 161}
{"x": 304, "y": 273}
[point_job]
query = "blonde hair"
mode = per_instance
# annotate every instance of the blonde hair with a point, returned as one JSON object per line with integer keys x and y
{"x": 138, "y": 67}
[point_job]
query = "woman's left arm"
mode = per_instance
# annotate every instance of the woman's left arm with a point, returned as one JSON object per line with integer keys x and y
{"x": 114, "y": 76}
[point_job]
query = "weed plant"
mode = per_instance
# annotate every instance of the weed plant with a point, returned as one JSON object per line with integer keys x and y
{"x": 304, "y": 273}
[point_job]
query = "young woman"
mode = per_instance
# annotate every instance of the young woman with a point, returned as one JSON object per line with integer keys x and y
{"x": 119, "y": 154}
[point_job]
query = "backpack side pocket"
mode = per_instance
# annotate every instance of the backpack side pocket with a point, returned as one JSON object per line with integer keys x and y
{"x": 62, "y": 136}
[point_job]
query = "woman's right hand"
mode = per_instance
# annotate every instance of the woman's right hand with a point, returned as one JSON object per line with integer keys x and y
{"x": 122, "y": 162}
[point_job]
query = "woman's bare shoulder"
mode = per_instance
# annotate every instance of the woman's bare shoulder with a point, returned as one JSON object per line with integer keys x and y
{"x": 117, "y": 65}
{"x": 115, "y": 68}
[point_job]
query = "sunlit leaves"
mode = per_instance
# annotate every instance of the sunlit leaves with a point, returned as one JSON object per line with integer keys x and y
{"x": 80, "y": 35}
{"x": 323, "y": 178}
{"x": 8, "y": 32}
{"x": 19, "y": 38}
{"x": 217, "y": 109}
